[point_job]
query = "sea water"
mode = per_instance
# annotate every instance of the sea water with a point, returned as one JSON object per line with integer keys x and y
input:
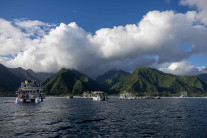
{"x": 79, "y": 117}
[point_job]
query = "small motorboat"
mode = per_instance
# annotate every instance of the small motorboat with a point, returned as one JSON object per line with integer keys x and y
{"x": 98, "y": 96}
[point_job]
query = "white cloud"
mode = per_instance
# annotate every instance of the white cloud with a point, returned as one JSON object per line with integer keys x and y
{"x": 11, "y": 38}
{"x": 9, "y": 31}
{"x": 200, "y": 5}
{"x": 183, "y": 68}
{"x": 24, "y": 23}
{"x": 157, "y": 39}
{"x": 33, "y": 28}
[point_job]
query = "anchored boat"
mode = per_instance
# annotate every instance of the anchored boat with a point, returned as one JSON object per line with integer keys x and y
{"x": 127, "y": 95}
{"x": 98, "y": 96}
{"x": 30, "y": 91}
{"x": 183, "y": 94}
{"x": 86, "y": 94}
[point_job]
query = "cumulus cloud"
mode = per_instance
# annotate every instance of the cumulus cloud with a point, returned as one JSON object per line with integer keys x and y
{"x": 11, "y": 38}
{"x": 200, "y": 5}
{"x": 183, "y": 68}
{"x": 156, "y": 40}
{"x": 33, "y": 28}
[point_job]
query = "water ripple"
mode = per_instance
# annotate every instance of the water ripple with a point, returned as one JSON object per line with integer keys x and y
{"x": 60, "y": 117}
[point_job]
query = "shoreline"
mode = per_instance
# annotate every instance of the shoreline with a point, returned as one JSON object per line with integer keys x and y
{"x": 108, "y": 96}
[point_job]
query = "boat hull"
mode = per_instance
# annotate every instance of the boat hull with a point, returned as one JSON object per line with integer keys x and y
{"x": 127, "y": 98}
{"x": 98, "y": 99}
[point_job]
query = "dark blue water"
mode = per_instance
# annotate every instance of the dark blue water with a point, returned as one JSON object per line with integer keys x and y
{"x": 60, "y": 117}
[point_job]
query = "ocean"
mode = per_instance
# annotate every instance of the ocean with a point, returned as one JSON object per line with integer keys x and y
{"x": 79, "y": 117}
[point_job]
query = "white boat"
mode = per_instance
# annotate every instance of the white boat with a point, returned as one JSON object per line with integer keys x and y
{"x": 86, "y": 94}
{"x": 127, "y": 95}
{"x": 30, "y": 91}
{"x": 183, "y": 94}
{"x": 98, "y": 96}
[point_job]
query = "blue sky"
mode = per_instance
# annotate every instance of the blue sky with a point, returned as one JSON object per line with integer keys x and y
{"x": 94, "y": 36}
{"x": 89, "y": 14}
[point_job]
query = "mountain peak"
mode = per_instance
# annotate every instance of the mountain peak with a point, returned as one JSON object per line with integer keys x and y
{"x": 2, "y": 66}
{"x": 151, "y": 80}
{"x": 68, "y": 81}
{"x": 203, "y": 77}
{"x": 110, "y": 74}
{"x": 148, "y": 70}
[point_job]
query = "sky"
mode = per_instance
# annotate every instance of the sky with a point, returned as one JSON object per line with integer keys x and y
{"x": 95, "y": 36}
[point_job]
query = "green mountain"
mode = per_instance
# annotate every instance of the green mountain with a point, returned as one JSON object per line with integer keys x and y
{"x": 11, "y": 78}
{"x": 141, "y": 81}
{"x": 110, "y": 78}
{"x": 8, "y": 81}
{"x": 68, "y": 81}
{"x": 203, "y": 77}
{"x": 23, "y": 74}
{"x": 153, "y": 81}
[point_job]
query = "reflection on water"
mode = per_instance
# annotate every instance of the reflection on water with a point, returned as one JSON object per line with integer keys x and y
{"x": 168, "y": 117}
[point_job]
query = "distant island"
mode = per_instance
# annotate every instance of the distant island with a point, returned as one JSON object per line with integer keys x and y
{"x": 143, "y": 81}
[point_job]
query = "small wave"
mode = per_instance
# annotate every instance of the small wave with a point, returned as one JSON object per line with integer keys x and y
{"x": 19, "y": 134}
{"x": 91, "y": 120}
{"x": 52, "y": 123}
{"x": 22, "y": 115}
{"x": 64, "y": 128}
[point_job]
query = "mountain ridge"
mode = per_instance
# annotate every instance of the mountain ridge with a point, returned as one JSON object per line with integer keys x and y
{"x": 68, "y": 81}
{"x": 12, "y": 77}
{"x": 108, "y": 79}
{"x": 151, "y": 80}
{"x": 24, "y": 74}
{"x": 8, "y": 81}
{"x": 203, "y": 77}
